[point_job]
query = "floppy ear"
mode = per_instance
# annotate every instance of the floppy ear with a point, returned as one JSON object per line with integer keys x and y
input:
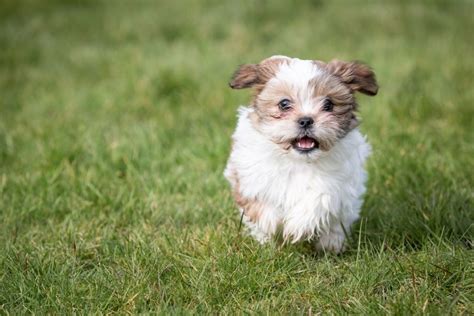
{"x": 244, "y": 77}
{"x": 357, "y": 76}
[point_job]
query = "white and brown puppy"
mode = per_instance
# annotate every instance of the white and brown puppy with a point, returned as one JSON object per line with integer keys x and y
{"x": 297, "y": 161}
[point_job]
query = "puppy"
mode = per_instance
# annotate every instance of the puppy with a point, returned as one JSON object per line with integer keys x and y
{"x": 297, "y": 161}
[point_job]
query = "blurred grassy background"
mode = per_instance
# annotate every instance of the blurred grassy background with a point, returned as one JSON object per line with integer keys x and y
{"x": 115, "y": 124}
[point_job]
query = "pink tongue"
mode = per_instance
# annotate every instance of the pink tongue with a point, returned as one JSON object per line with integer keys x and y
{"x": 306, "y": 142}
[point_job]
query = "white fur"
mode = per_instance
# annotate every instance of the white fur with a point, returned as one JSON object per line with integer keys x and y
{"x": 305, "y": 196}
{"x": 297, "y": 73}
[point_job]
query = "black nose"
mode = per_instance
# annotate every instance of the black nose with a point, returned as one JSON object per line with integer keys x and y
{"x": 305, "y": 122}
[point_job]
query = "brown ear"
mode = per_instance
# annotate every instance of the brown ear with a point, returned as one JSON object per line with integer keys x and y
{"x": 357, "y": 76}
{"x": 244, "y": 77}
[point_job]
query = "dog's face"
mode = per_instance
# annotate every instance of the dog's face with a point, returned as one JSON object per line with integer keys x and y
{"x": 304, "y": 106}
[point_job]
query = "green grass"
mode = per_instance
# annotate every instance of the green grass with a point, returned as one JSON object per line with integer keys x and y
{"x": 115, "y": 124}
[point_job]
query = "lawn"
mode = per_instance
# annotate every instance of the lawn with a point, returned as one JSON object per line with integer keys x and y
{"x": 115, "y": 124}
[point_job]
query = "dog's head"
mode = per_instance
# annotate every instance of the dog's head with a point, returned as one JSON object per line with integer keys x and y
{"x": 304, "y": 106}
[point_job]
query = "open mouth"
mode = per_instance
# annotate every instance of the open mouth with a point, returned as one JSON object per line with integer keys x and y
{"x": 305, "y": 144}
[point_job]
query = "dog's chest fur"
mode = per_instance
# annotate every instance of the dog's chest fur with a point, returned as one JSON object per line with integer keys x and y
{"x": 303, "y": 197}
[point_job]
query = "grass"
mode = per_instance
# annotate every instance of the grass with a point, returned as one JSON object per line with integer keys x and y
{"x": 115, "y": 124}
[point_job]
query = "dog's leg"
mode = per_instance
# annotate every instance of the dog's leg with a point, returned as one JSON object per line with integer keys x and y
{"x": 255, "y": 231}
{"x": 263, "y": 227}
{"x": 335, "y": 239}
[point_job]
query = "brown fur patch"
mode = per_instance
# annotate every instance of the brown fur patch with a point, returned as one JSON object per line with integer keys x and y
{"x": 358, "y": 76}
{"x": 251, "y": 207}
{"x": 244, "y": 77}
{"x": 328, "y": 86}
{"x": 255, "y": 75}
{"x": 343, "y": 100}
{"x": 266, "y": 102}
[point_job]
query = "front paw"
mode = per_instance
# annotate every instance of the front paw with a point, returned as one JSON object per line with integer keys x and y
{"x": 334, "y": 243}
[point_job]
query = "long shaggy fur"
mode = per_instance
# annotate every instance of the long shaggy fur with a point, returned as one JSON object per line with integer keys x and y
{"x": 314, "y": 195}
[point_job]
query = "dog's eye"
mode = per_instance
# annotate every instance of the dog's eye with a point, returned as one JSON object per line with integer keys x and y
{"x": 328, "y": 105}
{"x": 284, "y": 105}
